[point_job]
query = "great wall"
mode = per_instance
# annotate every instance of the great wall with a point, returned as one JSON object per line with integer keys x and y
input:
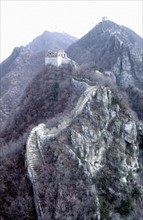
{"x": 34, "y": 156}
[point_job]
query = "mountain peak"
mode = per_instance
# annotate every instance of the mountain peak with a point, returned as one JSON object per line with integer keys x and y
{"x": 115, "y": 49}
{"x": 51, "y": 40}
{"x": 110, "y": 26}
{"x": 104, "y": 44}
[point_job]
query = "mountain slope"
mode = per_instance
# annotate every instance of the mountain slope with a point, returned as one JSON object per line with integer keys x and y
{"x": 105, "y": 39}
{"x": 107, "y": 44}
{"x": 51, "y": 40}
{"x": 118, "y": 51}
{"x": 7, "y": 64}
{"x": 84, "y": 159}
{"x": 23, "y": 64}
{"x": 13, "y": 83}
{"x": 88, "y": 158}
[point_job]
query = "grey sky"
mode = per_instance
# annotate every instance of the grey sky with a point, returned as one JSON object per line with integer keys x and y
{"x": 21, "y": 21}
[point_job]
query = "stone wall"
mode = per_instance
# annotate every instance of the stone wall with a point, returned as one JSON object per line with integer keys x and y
{"x": 92, "y": 154}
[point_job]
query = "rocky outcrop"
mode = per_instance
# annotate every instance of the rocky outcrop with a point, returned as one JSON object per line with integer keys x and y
{"x": 116, "y": 51}
{"x": 87, "y": 166}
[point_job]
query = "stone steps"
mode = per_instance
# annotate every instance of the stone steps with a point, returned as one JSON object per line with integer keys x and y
{"x": 34, "y": 157}
{"x": 35, "y": 160}
{"x": 33, "y": 153}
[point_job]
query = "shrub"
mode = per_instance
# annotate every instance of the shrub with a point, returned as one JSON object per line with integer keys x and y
{"x": 130, "y": 176}
{"x": 140, "y": 169}
{"x": 55, "y": 91}
{"x": 95, "y": 67}
{"x": 104, "y": 209}
{"x": 101, "y": 70}
{"x": 126, "y": 206}
{"x": 94, "y": 179}
{"x": 115, "y": 100}
{"x": 136, "y": 193}
{"x": 134, "y": 218}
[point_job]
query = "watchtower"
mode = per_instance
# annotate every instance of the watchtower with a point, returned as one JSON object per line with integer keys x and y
{"x": 56, "y": 57}
{"x": 104, "y": 18}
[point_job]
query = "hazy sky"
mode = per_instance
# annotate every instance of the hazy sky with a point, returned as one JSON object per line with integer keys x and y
{"x": 21, "y": 21}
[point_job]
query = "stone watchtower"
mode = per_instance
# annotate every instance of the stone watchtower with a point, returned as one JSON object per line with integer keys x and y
{"x": 56, "y": 57}
{"x": 104, "y": 19}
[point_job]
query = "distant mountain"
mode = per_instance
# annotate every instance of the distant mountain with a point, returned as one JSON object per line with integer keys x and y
{"x": 23, "y": 64}
{"x": 7, "y": 64}
{"x": 48, "y": 94}
{"x": 117, "y": 51}
{"x": 51, "y": 40}
{"x": 14, "y": 82}
{"x": 45, "y": 41}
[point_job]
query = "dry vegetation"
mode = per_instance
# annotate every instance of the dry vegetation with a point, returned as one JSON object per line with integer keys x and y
{"x": 50, "y": 94}
{"x": 16, "y": 196}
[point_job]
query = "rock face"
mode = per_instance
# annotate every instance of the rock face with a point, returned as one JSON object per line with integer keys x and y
{"x": 112, "y": 47}
{"x": 118, "y": 52}
{"x": 86, "y": 166}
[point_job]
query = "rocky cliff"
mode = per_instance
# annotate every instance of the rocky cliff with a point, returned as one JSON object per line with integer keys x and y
{"x": 87, "y": 166}
{"x": 117, "y": 51}
{"x": 113, "y": 48}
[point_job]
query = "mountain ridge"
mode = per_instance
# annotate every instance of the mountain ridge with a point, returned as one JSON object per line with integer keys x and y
{"x": 23, "y": 64}
{"x": 116, "y": 50}
{"x": 77, "y": 128}
{"x": 88, "y": 145}
{"x": 50, "y": 40}
{"x": 97, "y": 34}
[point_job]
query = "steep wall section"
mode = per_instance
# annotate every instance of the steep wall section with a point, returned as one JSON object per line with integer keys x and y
{"x": 34, "y": 152}
{"x": 34, "y": 155}
{"x": 88, "y": 163}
